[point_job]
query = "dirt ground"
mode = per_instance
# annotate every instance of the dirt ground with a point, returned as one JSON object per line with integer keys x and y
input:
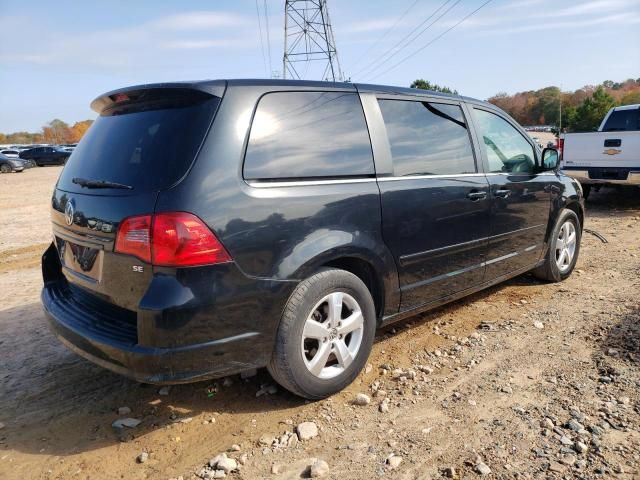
{"x": 525, "y": 380}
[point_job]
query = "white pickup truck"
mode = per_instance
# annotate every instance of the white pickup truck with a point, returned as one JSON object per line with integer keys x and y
{"x": 609, "y": 156}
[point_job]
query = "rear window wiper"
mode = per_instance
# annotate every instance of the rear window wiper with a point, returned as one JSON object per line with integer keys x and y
{"x": 83, "y": 182}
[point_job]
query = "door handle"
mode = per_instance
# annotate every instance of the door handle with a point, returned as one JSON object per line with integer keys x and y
{"x": 552, "y": 189}
{"x": 475, "y": 195}
{"x": 502, "y": 193}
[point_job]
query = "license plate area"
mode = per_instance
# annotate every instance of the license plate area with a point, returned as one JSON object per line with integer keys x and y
{"x": 80, "y": 260}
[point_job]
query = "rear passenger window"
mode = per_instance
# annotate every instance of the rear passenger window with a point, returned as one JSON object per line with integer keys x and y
{"x": 308, "y": 135}
{"x": 427, "y": 138}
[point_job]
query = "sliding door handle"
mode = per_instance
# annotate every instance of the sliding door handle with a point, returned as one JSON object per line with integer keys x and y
{"x": 502, "y": 193}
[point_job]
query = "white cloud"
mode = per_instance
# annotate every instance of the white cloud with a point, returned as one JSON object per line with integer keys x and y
{"x": 609, "y": 20}
{"x": 149, "y": 44}
{"x": 597, "y": 6}
{"x": 203, "y": 44}
{"x": 199, "y": 20}
{"x": 369, "y": 25}
{"x": 530, "y": 15}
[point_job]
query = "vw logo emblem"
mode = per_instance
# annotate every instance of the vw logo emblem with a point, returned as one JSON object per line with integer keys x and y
{"x": 69, "y": 213}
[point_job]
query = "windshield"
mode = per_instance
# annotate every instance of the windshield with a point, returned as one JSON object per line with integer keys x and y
{"x": 148, "y": 146}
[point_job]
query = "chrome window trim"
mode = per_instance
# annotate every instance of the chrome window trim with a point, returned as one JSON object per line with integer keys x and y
{"x": 339, "y": 181}
{"x": 418, "y": 177}
{"x": 305, "y": 183}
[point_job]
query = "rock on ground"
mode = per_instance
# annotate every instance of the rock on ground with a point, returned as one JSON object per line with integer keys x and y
{"x": 318, "y": 469}
{"x": 307, "y": 431}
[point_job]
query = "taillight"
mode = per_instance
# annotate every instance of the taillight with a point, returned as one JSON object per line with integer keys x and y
{"x": 182, "y": 239}
{"x": 134, "y": 237}
{"x": 173, "y": 239}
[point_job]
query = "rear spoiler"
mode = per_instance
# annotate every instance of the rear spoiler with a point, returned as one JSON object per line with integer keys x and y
{"x": 135, "y": 93}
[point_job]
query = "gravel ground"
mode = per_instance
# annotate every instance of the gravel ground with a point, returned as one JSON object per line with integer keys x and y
{"x": 526, "y": 380}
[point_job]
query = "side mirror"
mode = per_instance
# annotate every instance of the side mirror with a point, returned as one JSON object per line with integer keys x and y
{"x": 550, "y": 159}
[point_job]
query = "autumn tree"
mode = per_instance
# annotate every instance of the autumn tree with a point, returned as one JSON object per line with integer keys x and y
{"x": 579, "y": 108}
{"x": 631, "y": 98}
{"x": 78, "y": 130}
{"x": 56, "y": 131}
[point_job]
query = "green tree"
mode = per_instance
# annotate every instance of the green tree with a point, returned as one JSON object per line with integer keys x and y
{"x": 590, "y": 113}
{"x": 427, "y": 85}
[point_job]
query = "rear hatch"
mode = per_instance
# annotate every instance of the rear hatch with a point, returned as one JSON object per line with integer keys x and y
{"x": 143, "y": 141}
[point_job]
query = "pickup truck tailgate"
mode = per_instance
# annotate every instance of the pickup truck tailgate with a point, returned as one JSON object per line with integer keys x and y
{"x": 602, "y": 149}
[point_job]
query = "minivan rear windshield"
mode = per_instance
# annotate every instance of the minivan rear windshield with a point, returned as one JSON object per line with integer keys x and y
{"x": 147, "y": 142}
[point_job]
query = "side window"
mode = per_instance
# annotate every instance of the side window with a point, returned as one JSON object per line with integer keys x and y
{"x": 427, "y": 138}
{"x": 506, "y": 148}
{"x": 308, "y": 135}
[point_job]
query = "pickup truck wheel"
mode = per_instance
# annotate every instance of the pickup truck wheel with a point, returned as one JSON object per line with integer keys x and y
{"x": 586, "y": 190}
{"x": 564, "y": 247}
{"x": 325, "y": 335}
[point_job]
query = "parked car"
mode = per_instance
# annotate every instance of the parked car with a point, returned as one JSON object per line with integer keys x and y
{"x": 10, "y": 153}
{"x": 46, "y": 156}
{"x": 202, "y": 229}
{"x": 610, "y": 156}
{"x": 9, "y": 164}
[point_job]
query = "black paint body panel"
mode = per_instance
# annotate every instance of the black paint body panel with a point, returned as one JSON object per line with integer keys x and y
{"x": 424, "y": 239}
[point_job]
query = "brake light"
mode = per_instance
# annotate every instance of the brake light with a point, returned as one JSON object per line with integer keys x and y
{"x": 172, "y": 239}
{"x": 120, "y": 97}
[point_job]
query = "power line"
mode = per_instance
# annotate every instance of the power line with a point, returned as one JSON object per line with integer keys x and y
{"x": 266, "y": 20}
{"x": 384, "y": 35}
{"x": 406, "y": 40}
{"x": 433, "y": 40}
{"x": 264, "y": 60}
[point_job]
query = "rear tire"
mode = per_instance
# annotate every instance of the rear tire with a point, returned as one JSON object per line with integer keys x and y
{"x": 564, "y": 247}
{"x": 325, "y": 335}
{"x": 4, "y": 168}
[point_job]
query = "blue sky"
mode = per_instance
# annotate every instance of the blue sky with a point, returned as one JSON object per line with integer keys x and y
{"x": 55, "y": 57}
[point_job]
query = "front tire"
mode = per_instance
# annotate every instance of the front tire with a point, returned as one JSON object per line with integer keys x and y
{"x": 325, "y": 335}
{"x": 564, "y": 247}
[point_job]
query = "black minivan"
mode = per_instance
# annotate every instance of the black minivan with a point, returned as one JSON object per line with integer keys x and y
{"x": 203, "y": 229}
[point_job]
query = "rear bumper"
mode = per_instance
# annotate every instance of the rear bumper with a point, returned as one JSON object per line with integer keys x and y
{"x": 109, "y": 335}
{"x": 147, "y": 364}
{"x": 601, "y": 176}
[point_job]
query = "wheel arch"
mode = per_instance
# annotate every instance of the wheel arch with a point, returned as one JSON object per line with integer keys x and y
{"x": 366, "y": 272}
{"x": 578, "y": 210}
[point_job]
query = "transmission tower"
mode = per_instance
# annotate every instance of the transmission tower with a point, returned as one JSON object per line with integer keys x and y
{"x": 309, "y": 42}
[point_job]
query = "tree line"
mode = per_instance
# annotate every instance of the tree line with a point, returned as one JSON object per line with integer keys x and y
{"x": 582, "y": 109}
{"x": 55, "y": 132}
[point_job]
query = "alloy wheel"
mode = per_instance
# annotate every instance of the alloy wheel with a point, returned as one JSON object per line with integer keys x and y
{"x": 566, "y": 246}
{"x": 332, "y": 335}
